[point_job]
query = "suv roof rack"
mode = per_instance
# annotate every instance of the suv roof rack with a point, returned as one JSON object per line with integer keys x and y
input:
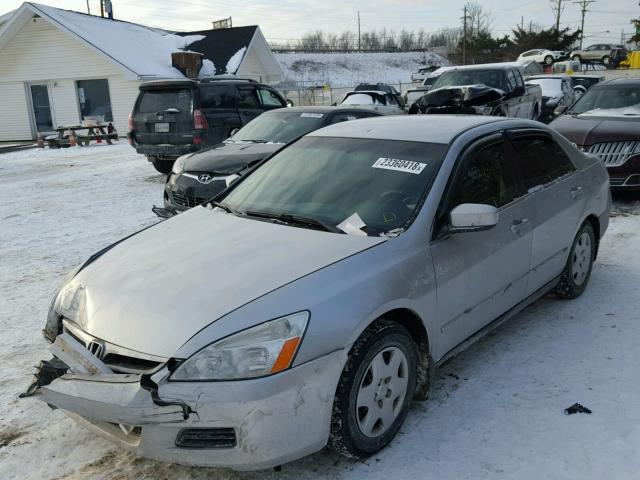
{"x": 218, "y": 78}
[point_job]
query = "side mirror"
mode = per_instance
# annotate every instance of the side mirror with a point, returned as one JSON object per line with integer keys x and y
{"x": 560, "y": 110}
{"x": 473, "y": 217}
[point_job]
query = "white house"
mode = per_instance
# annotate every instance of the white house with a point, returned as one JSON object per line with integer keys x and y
{"x": 58, "y": 66}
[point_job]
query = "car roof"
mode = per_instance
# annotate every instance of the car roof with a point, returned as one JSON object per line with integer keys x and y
{"x": 631, "y": 81}
{"x": 488, "y": 66}
{"x": 409, "y": 128}
{"x": 321, "y": 109}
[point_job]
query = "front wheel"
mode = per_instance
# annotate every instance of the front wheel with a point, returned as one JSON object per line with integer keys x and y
{"x": 375, "y": 390}
{"x": 606, "y": 60}
{"x": 576, "y": 58}
{"x": 577, "y": 271}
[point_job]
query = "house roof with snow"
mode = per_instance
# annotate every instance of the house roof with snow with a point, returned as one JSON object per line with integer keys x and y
{"x": 145, "y": 52}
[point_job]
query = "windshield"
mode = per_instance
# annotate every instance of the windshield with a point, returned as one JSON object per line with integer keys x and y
{"x": 454, "y": 78}
{"x": 612, "y": 100}
{"x": 551, "y": 87}
{"x": 331, "y": 180}
{"x": 363, "y": 99}
{"x": 280, "y": 127}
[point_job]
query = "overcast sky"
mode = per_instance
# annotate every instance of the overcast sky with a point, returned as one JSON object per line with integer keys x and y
{"x": 289, "y": 19}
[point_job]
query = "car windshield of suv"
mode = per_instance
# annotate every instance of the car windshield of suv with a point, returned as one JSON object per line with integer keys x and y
{"x": 348, "y": 185}
{"x": 612, "y": 100}
{"x": 280, "y": 127}
{"x": 455, "y": 78}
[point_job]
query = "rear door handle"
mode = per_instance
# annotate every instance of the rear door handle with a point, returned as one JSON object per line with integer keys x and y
{"x": 518, "y": 225}
{"x": 576, "y": 192}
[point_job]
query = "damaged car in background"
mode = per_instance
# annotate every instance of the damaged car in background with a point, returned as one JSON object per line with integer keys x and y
{"x": 501, "y": 85}
{"x": 318, "y": 294}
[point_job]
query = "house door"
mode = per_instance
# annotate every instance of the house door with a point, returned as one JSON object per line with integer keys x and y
{"x": 41, "y": 108}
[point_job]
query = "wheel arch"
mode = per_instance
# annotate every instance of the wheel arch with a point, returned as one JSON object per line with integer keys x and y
{"x": 412, "y": 322}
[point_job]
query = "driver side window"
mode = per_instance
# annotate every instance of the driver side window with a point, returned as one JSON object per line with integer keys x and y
{"x": 486, "y": 178}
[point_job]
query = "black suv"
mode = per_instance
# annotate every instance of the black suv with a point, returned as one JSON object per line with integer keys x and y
{"x": 174, "y": 117}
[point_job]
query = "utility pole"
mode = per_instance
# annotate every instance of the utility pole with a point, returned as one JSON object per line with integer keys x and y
{"x": 359, "y": 45}
{"x": 557, "y": 7}
{"x": 88, "y": 9}
{"x": 522, "y": 23}
{"x": 102, "y": 8}
{"x": 464, "y": 36}
{"x": 583, "y": 7}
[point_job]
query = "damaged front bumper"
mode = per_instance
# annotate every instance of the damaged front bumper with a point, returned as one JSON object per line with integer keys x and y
{"x": 243, "y": 425}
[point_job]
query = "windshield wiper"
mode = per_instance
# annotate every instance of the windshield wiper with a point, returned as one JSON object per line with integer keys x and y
{"x": 227, "y": 208}
{"x": 299, "y": 220}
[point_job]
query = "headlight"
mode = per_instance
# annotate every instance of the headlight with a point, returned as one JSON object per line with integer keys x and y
{"x": 256, "y": 352}
{"x": 178, "y": 165}
{"x": 68, "y": 301}
{"x": 483, "y": 109}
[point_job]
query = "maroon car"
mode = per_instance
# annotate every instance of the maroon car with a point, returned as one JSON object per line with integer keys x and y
{"x": 605, "y": 121}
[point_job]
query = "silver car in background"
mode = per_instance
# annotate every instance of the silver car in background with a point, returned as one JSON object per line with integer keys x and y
{"x": 319, "y": 293}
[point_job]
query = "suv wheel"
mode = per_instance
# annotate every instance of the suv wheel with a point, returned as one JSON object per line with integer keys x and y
{"x": 577, "y": 271}
{"x": 162, "y": 166}
{"x": 576, "y": 58}
{"x": 606, "y": 60}
{"x": 375, "y": 390}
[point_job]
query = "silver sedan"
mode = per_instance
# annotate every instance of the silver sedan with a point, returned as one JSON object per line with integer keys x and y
{"x": 313, "y": 300}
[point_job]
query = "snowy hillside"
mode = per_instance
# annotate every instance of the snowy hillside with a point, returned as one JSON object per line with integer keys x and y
{"x": 348, "y": 69}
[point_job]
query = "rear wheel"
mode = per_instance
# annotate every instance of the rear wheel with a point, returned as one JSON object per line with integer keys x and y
{"x": 576, "y": 58}
{"x": 577, "y": 271}
{"x": 375, "y": 390}
{"x": 162, "y": 166}
{"x": 548, "y": 60}
{"x": 606, "y": 60}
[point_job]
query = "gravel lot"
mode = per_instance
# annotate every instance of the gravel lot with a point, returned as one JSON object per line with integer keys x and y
{"x": 496, "y": 410}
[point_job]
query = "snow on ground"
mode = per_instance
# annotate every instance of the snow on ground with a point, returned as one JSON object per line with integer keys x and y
{"x": 349, "y": 69}
{"x": 495, "y": 411}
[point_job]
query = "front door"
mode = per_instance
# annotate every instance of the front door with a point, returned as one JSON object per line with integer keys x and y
{"x": 41, "y": 108}
{"x": 248, "y": 103}
{"x": 480, "y": 275}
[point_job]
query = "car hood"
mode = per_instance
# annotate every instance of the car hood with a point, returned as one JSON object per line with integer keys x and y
{"x": 586, "y": 130}
{"x": 229, "y": 157}
{"x": 155, "y": 290}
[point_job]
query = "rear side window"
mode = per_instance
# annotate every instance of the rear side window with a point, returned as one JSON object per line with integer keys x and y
{"x": 269, "y": 98}
{"x": 216, "y": 96}
{"x": 540, "y": 160}
{"x": 158, "y": 100}
{"x": 486, "y": 178}
{"x": 247, "y": 98}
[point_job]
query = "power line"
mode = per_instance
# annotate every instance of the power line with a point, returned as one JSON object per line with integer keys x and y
{"x": 583, "y": 6}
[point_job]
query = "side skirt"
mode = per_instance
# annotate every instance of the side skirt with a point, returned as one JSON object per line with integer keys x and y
{"x": 498, "y": 321}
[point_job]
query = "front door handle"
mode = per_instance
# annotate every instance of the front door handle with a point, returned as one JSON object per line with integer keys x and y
{"x": 518, "y": 225}
{"x": 576, "y": 192}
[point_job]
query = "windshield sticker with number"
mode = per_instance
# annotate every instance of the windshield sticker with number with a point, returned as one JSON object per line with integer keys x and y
{"x": 399, "y": 165}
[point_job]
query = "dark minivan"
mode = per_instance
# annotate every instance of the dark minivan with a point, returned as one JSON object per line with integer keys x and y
{"x": 171, "y": 118}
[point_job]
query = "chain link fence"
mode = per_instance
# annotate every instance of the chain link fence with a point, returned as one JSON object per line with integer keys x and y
{"x": 318, "y": 94}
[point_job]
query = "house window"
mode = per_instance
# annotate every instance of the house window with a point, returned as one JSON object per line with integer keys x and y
{"x": 94, "y": 100}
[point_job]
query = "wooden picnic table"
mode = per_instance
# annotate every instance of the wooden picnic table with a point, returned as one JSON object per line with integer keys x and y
{"x": 94, "y": 132}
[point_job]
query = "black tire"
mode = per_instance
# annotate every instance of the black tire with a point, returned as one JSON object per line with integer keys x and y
{"x": 548, "y": 60}
{"x": 162, "y": 166}
{"x": 606, "y": 60}
{"x": 572, "y": 283}
{"x": 576, "y": 58}
{"x": 346, "y": 437}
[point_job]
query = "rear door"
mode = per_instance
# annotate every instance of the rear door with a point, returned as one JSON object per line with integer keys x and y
{"x": 164, "y": 116}
{"x": 555, "y": 201}
{"x": 218, "y": 104}
{"x": 480, "y": 275}
{"x": 248, "y": 103}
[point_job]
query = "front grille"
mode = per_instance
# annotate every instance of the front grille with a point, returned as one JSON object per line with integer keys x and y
{"x": 206, "y": 438}
{"x": 616, "y": 182}
{"x": 614, "y": 154}
{"x": 187, "y": 200}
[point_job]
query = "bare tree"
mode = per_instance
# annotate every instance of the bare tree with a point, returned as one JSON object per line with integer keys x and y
{"x": 479, "y": 19}
{"x": 557, "y": 6}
